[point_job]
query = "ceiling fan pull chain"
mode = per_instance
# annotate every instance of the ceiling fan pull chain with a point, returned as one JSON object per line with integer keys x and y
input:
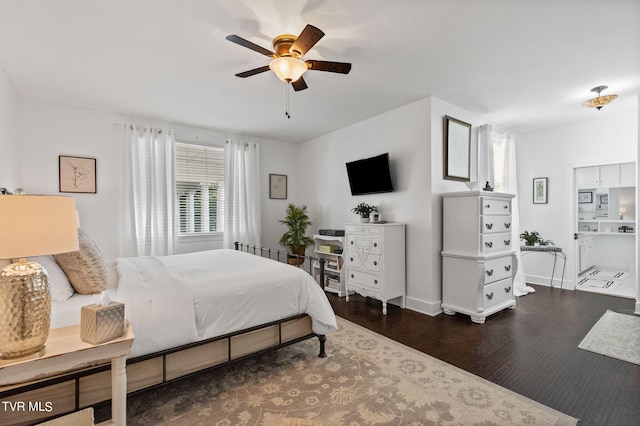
{"x": 286, "y": 112}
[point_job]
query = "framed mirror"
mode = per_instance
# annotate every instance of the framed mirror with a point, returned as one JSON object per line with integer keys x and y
{"x": 457, "y": 149}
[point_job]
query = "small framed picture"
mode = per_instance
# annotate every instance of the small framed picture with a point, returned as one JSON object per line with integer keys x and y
{"x": 277, "y": 187}
{"x": 77, "y": 174}
{"x": 585, "y": 197}
{"x": 540, "y": 189}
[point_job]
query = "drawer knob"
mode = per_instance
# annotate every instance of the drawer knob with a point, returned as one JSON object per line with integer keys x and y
{"x": 488, "y": 206}
{"x": 489, "y": 244}
{"x": 506, "y": 207}
{"x": 490, "y": 272}
{"x": 375, "y": 244}
{"x": 507, "y": 242}
{"x": 351, "y": 275}
{"x": 375, "y": 263}
{"x": 375, "y": 281}
{"x": 351, "y": 259}
{"x": 489, "y": 225}
{"x": 490, "y": 296}
{"x": 507, "y": 268}
{"x": 507, "y": 289}
{"x": 507, "y": 225}
{"x": 351, "y": 242}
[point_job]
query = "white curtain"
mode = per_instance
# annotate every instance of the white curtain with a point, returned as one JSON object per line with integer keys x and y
{"x": 241, "y": 193}
{"x": 497, "y": 165}
{"x": 148, "y": 211}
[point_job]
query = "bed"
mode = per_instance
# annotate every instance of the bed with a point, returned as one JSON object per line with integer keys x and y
{"x": 189, "y": 312}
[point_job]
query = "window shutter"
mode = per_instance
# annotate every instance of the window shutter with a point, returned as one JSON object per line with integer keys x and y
{"x": 199, "y": 188}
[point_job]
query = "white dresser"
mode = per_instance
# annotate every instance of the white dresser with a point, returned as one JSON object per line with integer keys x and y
{"x": 478, "y": 261}
{"x": 376, "y": 261}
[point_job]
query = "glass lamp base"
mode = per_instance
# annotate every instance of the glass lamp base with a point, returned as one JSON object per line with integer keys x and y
{"x": 25, "y": 309}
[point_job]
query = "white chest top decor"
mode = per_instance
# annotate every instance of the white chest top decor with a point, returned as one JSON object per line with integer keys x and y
{"x": 478, "y": 259}
{"x": 376, "y": 261}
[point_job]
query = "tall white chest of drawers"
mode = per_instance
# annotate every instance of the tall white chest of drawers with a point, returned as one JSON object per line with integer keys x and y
{"x": 376, "y": 261}
{"x": 478, "y": 261}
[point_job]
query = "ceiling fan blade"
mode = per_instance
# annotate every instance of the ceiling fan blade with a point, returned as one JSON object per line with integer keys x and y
{"x": 306, "y": 40}
{"x": 246, "y": 43}
{"x": 339, "y": 67}
{"x": 253, "y": 72}
{"x": 299, "y": 84}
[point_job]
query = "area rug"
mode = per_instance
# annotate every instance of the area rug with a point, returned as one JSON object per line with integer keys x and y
{"x": 615, "y": 335}
{"x": 595, "y": 283}
{"x": 366, "y": 379}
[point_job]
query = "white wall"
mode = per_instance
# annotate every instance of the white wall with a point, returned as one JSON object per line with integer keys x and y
{"x": 413, "y": 137}
{"x": 9, "y": 135}
{"x": 554, "y": 153}
{"x": 49, "y": 129}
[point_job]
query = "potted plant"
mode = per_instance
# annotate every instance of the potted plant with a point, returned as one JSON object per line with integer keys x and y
{"x": 530, "y": 238}
{"x": 534, "y": 237}
{"x": 295, "y": 240}
{"x": 364, "y": 210}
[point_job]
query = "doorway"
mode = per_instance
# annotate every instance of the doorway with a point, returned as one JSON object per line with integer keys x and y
{"x": 605, "y": 229}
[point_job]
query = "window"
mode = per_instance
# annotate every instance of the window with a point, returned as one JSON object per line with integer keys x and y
{"x": 199, "y": 188}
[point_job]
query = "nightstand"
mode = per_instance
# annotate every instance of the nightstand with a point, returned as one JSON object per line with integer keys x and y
{"x": 65, "y": 351}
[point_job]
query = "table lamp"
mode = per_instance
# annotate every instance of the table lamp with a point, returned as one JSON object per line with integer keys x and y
{"x": 623, "y": 211}
{"x": 30, "y": 225}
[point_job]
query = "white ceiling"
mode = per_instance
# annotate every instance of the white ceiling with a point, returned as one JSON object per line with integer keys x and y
{"x": 526, "y": 65}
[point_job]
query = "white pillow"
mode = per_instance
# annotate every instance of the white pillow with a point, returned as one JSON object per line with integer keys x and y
{"x": 59, "y": 284}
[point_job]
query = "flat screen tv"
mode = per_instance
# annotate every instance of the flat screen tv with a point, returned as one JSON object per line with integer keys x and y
{"x": 370, "y": 175}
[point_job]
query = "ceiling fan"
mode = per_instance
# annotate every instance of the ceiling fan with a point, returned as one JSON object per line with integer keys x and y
{"x": 286, "y": 61}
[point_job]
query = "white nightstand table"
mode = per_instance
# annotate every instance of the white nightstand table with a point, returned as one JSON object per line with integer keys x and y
{"x": 65, "y": 351}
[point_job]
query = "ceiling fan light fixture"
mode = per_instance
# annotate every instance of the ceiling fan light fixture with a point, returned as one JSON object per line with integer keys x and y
{"x": 599, "y": 101}
{"x": 288, "y": 68}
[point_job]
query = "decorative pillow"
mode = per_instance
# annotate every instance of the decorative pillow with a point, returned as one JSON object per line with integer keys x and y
{"x": 85, "y": 268}
{"x": 59, "y": 285}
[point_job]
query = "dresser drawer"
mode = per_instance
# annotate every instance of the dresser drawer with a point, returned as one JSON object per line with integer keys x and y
{"x": 497, "y": 269}
{"x": 364, "y": 279}
{"x": 495, "y": 242}
{"x": 495, "y": 206}
{"x": 497, "y": 293}
{"x": 495, "y": 224}
{"x": 369, "y": 263}
{"x": 364, "y": 244}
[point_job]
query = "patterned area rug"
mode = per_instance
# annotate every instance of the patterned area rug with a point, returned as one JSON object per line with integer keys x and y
{"x": 366, "y": 379}
{"x": 615, "y": 335}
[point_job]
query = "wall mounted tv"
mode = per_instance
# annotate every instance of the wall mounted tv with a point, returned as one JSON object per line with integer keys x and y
{"x": 370, "y": 175}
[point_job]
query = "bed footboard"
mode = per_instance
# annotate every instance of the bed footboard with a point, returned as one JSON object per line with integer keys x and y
{"x": 284, "y": 257}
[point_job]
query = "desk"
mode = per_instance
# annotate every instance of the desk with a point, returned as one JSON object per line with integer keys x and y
{"x": 555, "y": 251}
{"x": 65, "y": 351}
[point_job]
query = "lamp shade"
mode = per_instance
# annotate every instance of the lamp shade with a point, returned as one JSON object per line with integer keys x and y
{"x": 288, "y": 68}
{"x": 35, "y": 225}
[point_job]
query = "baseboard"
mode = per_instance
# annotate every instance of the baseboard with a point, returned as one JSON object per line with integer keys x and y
{"x": 546, "y": 281}
{"x": 423, "y": 306}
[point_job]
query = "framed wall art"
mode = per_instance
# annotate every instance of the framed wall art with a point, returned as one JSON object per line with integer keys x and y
{"x": 457, "y": 150}
{"x": 540, "y": 191}
{"x": 277, "y": 187}
{"x": 585, "y": 197}
{"x": 77, "y": 174}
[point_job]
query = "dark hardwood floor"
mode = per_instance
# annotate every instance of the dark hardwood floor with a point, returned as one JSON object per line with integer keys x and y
{"x": 532, "y": 350}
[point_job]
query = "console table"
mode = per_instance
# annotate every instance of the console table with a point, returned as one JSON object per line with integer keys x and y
{"x": 65, "y": 351}
{"x": 555, "y": 251}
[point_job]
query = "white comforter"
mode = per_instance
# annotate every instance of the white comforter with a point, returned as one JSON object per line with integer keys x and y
{"x": 174, "y": 300}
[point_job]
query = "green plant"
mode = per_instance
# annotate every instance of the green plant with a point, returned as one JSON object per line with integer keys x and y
{"x": 533, "y": 237}
{"x": 364, "y": 209}
{"x": 297, "y": 221}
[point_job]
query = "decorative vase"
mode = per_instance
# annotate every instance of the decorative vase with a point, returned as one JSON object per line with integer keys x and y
{"x": 364, "y": 219}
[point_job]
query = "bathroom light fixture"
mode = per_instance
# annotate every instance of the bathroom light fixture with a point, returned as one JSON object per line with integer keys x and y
{"x": 599, "y": 101}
